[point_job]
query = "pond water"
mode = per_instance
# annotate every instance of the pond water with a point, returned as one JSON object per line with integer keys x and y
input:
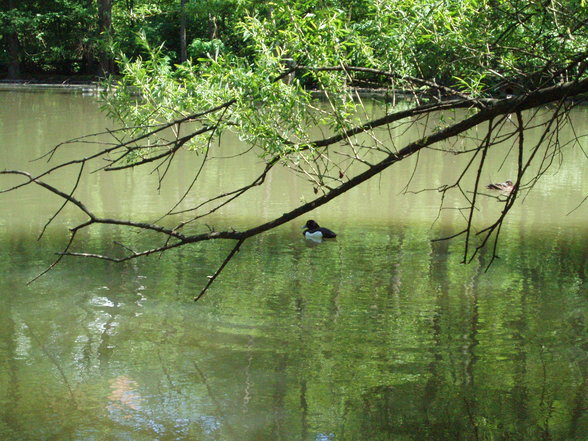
{"x": 381, "y": 334}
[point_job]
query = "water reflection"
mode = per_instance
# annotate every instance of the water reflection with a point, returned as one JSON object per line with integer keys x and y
{"x": 389, "y": 338}
{"x": 124, "y": 397}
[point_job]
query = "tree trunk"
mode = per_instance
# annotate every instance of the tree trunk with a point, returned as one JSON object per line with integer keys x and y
{"x": 212, "y": 26}
{"x": 183, "y": 50}
{"x": 105, "y": 29}
{"x": 13, "y": 47}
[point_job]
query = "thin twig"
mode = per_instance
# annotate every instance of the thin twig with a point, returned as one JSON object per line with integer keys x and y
{"x": 212, "y": 278}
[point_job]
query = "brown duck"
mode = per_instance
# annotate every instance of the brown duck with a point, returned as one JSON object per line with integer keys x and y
{"x": 506, "y": 186}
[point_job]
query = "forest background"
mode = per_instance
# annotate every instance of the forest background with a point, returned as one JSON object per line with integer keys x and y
{"x": 462, "y": 43}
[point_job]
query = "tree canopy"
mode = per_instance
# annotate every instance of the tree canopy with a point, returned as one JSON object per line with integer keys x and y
{"x": 481, "y": 71}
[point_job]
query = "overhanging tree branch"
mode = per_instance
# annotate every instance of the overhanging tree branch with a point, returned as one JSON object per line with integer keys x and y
{"x": 492, "y": 109}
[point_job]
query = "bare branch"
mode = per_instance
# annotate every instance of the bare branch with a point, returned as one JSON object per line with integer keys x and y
{"x": 212, "y": 278}
{"x": 409, "y": 79}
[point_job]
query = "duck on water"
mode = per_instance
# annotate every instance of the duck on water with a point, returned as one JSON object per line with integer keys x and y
{"x": 505, "y": 187}
{"x": 314, "y": 231}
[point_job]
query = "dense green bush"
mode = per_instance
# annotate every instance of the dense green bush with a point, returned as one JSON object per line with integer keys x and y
{"x": 475, "y": 44}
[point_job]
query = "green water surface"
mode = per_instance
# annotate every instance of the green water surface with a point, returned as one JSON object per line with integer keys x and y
{"x": 380, "y": 334}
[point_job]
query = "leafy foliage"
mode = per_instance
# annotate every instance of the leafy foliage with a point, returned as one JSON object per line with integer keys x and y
{"x": 491, "y": 40}
{"x": 53, "y": 36}
{"x": 523, "y": 46}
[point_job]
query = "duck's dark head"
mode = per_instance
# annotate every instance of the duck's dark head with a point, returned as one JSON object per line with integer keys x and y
{"x": 311, "y": 225}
